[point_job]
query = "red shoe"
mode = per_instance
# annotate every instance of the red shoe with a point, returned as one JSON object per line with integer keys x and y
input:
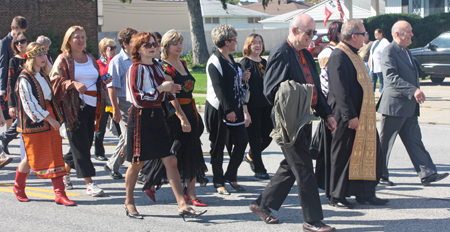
{"x": 151, "y": 194}
{"x": 60, "y": 194}
{"x": 19, "y": 186}
{"x": 195, "y": 202}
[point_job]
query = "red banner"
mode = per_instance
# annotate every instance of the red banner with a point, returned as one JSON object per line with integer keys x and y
{"x": 327, "y": 16}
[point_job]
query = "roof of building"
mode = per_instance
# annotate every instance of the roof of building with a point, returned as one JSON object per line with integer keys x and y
{"x": 274, "y": 9}
{"x": 213, "y": 8}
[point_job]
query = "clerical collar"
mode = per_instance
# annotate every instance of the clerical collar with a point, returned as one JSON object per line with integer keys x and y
{"x": 355, "y": 50}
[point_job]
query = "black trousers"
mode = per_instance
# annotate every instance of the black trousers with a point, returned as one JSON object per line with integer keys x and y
{"x": 297, "y": 166}
{"x": 80, "y": 141}
{"x": 100, "y": 134}
{"x": 11, "y": 133}
{"x": 258, "y": 134}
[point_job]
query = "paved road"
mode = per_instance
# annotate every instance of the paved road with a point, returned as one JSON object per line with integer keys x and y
{"x": 412, "y": 207}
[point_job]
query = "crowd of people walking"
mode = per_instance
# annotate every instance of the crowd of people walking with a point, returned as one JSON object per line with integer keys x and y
{"x": 144, "y": 95}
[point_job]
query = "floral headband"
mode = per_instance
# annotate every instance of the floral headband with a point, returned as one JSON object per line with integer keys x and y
{"x": 35, "y": 52}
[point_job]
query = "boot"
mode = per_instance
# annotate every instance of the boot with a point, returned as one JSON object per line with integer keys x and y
{"x": 60, "y": 194}
{"x": 19, "y": 186}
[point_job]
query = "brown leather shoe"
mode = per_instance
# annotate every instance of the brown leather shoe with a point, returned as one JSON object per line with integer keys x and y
{"x": 264, "y": 214}
{"x": 317, "y": 227}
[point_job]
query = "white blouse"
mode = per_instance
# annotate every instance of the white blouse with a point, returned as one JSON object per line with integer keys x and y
{"x": 376, "y": 54}
{"x": 87, "y": 74}
{"x": 30, "y": 104}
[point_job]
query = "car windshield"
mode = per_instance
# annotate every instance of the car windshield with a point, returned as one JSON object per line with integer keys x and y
{"x": 325, "y": 38}
{"x": 443, "y": 41}
{"x": 315, "y": 37}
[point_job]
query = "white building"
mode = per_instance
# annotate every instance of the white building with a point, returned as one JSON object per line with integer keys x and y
{"x": 419, "y": 7}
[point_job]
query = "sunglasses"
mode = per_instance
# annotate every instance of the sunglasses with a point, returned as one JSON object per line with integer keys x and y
{"x": 308, "y": 32}
{"x": 362, "y": 33}
{"x": 112, "y": 47}
{"x": 22, "y": 41}
{"x": 150, "y": 45}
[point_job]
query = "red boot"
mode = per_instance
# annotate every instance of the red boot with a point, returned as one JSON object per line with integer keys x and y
{"x": 19, "y": 186}
{"x": 60, "y": 194}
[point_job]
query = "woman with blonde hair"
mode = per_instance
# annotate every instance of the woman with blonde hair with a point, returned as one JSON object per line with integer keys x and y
{"x": 107, "y": 49}
{"x": 81, "y": 91}
{"x": 258, "y": 106}
{"x": 147, "y": 135}
{"x": 185, "y": 125}
{"x": 39, "y": 119}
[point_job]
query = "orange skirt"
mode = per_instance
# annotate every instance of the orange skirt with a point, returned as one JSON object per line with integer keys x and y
{"x": 44, "y": 151}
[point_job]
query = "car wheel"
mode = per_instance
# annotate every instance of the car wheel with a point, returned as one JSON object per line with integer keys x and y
{"x": 437, "y": 80}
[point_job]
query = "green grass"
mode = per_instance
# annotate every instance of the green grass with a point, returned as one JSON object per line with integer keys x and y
{"x": 200, "y": 100}
{"x": 200, "y": 81}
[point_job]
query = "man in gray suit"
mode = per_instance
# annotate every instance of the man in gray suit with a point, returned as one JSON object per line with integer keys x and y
{"x": 399, "y": 105}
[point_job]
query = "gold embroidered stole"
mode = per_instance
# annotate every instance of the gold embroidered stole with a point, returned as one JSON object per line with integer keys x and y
{"x": 364, "y": 152}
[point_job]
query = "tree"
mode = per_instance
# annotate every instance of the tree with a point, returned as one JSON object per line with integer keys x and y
{"x": 199, "y": 50}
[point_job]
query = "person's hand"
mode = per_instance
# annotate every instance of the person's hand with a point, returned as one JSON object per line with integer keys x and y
{"x": 246, "y": 75}
{"x": 55, "y": 124}
{"x": 176, "y": 88}
{"x": 231, "y": 117}
{"x": 109, "y": 80}
{"x": 117, "y": 116}
{"x": 2, "y": 121}
{"x": 420, "y": 96}
{"x": 166, "y": 86}
{"x": 80, "y": 87}
{"x": 247, "y": 119}
{"x": 185, "y": 126}
{"x": 12, "y": 112}
{"x": 331, "y": 124}
{"x": 353, "y": 123}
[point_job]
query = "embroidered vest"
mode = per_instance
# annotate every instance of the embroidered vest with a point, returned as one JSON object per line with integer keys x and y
{"x": 24, "y": 124}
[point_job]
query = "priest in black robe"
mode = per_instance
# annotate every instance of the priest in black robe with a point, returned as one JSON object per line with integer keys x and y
{"x": 355, "y": 161}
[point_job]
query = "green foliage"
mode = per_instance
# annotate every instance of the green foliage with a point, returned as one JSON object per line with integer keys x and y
{"x": 57, "y": 39}
{"x": 233, "y": 2}
{"x": 386, "y": 22}
{"x": 200, "y": 81}
{"x": 430, "y": 27}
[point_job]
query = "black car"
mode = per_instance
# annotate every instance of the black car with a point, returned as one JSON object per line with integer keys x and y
{"x": 434, "y": 58}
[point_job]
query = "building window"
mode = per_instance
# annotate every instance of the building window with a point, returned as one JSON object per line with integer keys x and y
{"x": 417, "y": 7}
{"x": 212, "y": 21}
{"x": 254, "y": 20}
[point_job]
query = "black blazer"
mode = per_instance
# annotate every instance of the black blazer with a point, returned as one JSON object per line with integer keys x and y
{"x": 282, "y": 65}
{"x": 6, "y": 53}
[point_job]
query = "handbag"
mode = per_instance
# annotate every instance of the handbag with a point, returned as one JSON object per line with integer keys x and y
{"x": 168, "y": 108}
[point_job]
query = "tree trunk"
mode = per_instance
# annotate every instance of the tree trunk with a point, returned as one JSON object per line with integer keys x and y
{"x": 199, "y": 48}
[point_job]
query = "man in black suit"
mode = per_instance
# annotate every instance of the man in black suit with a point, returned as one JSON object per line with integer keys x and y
{"x": 399, "y": 105}
{"x": 19, "y": 23}
{"x": 291, "y": 61}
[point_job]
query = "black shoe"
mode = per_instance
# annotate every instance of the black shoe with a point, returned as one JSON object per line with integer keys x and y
{"x": 264, "y": 214}
{"x": 317, "y": 227}
{"x": 340, "y": 203}
{"x": 4, "y": 145}
{"x": 194, "y": 214}
{"x": 261, "y": 175}
{"x": 114, "y": 175}
{"x": 235, "y": 186}
{"x": 101, "y": 158}
{"x": 371, "y": 201}
{"x": 203, "y": 182}
{"x": 246, "y": 159}
{"x": 433, "y": 178}
{"x": 386, "y": 182}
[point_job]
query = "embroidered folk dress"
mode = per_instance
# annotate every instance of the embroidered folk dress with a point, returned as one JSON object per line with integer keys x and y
{"x": 147, "y": 135}
{"x": 43, "y": 144}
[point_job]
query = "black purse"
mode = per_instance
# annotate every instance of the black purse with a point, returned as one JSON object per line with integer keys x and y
{"x": 168, "y": 108}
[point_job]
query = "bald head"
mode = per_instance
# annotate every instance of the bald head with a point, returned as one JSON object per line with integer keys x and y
{"x": 301, "y": 21}
{"x": 402, "y": 33}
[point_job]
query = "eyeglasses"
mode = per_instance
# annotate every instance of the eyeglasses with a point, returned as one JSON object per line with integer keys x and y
{"x": 308, "y": 32}
{"x": 235, "y": 40}
{"x": 112, "y": 47}
{"x": 22, "y": 41}
{"x": 150, "y": 45}
{"x": 362, "y": 33}
{"x": 257, "y": 43}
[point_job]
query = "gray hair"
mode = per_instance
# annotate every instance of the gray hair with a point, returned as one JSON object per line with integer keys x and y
{"x": 299, "y": 20}
{"x": 222, "y": 33}
{"x": 349, "y": 28}
{"x": 44, "y": 40}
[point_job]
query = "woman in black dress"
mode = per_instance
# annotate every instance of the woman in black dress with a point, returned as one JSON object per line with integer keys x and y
{"x": 147, "y": 135}
{"x": 258, "y": 106}
{"x": 224, "y": 108}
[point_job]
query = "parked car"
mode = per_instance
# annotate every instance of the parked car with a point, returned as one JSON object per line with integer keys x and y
{"x": 318, "y": 42}
{"x": 433, "y": 59}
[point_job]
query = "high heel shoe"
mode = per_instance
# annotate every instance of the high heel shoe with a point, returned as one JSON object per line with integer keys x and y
{"x": 194, "y": 214}
{"x": 151, "y": 193}
{"x": 195, "y": 202}
{"x": 135, "y": 216}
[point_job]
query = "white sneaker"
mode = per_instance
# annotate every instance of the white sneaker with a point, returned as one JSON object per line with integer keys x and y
{"x": 67, "y": 182}
{"x": 93, "y": 190}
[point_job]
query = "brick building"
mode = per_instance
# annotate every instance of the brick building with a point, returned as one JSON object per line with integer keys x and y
{"x": 51, "y": 17}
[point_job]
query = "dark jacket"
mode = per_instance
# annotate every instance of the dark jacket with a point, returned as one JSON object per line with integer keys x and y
{"x": 282, "y": 65}
{"x": 6, "y": 53}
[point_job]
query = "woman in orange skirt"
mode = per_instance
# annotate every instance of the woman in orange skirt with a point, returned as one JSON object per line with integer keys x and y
{"x": 39, "y": 119}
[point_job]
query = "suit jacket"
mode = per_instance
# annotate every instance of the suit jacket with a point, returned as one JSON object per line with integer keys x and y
{"x": 6, "y": 53}
{"x": 282, "y": 65}
{"x": 401, "y": 80}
